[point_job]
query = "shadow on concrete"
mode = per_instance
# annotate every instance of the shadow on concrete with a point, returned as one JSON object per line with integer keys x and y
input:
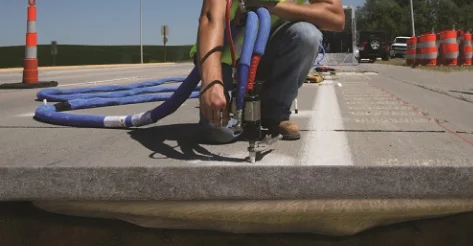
{"x": 190, "y": 143}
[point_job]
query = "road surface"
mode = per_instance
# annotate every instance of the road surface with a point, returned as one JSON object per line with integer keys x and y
{"x": 386, "y": 132}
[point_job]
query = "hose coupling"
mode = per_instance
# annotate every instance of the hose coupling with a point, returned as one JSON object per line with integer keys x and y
{"x": 239, "y": 118}
{"x": 242, "y": 5}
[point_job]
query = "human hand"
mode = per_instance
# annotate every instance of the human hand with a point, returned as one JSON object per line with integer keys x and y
{"x": 213, "y": 104}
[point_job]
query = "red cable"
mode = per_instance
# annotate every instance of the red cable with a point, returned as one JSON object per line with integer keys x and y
{"x": 252, "y": 72}
{"x": 228, "y": 32}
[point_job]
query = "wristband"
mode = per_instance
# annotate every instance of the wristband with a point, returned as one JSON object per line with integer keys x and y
{"x": 210, "y": 85}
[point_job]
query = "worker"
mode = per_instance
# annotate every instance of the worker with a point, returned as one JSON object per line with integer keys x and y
{"x": 290, "y": 53}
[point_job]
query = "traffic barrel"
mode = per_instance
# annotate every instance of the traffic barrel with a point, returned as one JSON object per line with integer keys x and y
{"x": 30, "y": 66}
{"x": 419, "y": 52}
{"x": 466, "y": 50}
{"x": 429, "y": 49}
{"x": 411, "y": 51}
{"x": 448, "y": 48}
{"x": 30, "y": 70}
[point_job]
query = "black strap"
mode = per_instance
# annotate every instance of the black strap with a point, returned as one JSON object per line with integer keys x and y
{"x": 210, "y": 85}
{"x": 227, "y": 97}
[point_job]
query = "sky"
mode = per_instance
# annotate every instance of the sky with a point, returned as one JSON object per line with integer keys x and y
{"x": 104, "y": 22}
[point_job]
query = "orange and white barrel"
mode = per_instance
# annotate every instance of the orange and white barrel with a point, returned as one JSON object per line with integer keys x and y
{"x": 419, "y": 60}
{"x": 30, "y": 70}
{"x": 429, "y": 49}
{"x": 448, "y": 48}
{"x": 411, "y": 51}
{"x": 467, "y": 50}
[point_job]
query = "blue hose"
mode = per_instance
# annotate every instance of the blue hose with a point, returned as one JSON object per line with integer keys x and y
{"x": 251, "y": 32}
{"x": 263, "y": 31}
{"x": 258, "y": 28}
{"x": 120, "y": 95}
{"x": 75, "y": 99}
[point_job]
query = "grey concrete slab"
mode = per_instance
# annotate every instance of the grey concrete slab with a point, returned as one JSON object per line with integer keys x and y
{"x": 452, "y": 112}
{"x": 453, "y": 84}
{"x": 84, "y": 74}
{"x": 409, "y": 149}
{"x": 357, "y": 142}
{"x": 368, "y": 108}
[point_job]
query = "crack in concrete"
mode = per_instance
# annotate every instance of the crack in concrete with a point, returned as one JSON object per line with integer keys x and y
{"x": 393, "y": 131}
{"x": 381, "y": 131}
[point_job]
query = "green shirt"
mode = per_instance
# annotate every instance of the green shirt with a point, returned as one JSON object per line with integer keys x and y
{"x": 238, "y": 41}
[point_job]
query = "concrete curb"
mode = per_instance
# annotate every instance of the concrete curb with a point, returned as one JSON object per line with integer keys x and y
{"x": 18, "y": 69}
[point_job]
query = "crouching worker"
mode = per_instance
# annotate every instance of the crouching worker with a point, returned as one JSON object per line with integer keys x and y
{"x": 290, "y": 54}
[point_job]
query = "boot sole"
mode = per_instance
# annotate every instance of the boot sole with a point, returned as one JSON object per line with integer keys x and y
{"x": 296, "y": 136}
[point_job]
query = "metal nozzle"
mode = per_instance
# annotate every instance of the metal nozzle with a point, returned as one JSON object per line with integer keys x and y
{"x": 252, "y": 151}
{"x": 253, "y": 157}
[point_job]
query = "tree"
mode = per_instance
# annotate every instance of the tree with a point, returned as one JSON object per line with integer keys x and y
{"x": 394, "y": 17}
{"x": 385, "y": 15}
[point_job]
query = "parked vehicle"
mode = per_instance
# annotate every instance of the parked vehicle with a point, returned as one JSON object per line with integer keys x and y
{"x": 399, "y": 47}
{"x": 372, "y": 45}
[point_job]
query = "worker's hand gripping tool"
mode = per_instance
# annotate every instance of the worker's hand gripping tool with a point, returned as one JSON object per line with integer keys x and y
{"x": 246, "y": 103}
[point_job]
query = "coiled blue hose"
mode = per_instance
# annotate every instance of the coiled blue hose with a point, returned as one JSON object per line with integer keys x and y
{"x": 79, "y": 99}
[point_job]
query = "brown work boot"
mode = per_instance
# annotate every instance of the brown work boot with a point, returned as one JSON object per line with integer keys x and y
{"x": 288, "y": 129}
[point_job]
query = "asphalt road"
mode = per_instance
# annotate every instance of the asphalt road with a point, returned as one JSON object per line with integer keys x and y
{"x": 391, "y": 132}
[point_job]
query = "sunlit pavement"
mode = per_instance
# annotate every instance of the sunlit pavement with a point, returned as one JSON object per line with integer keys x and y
{"x": 379, "y": 132}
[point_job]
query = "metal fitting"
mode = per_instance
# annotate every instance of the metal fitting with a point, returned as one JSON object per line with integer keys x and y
{"x": 252, "y": 109}
{"x": 239, "y": 117}
{"x": 242, "y": 6}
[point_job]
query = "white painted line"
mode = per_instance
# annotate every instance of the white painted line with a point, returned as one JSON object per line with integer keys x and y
{"x": 103, "y": 81}
{"x": 323, "y": 146}
{"x": 25, "y": 115}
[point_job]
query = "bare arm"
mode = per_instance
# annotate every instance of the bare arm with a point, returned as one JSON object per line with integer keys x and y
{"x": 328, "y": 15}
{"x": 210, "y": 40}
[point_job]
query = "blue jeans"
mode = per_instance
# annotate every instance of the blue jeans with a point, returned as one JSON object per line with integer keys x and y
{"x": 289, "y": 56}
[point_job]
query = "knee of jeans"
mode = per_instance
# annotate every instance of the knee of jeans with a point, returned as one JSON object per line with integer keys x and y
{"x": 308, "y": 36}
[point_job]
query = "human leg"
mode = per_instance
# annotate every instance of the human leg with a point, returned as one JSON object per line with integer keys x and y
{"x": 289, "y": 56}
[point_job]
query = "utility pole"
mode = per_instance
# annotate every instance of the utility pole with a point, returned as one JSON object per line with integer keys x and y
{"x": 412, "y": 20}
{"x": 54, "y": 51}
{"x": 164, "y": 35}
{"x": 141, "y": 31}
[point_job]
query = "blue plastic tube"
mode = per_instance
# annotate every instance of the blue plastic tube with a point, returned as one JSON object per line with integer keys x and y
{"x": 263, "y": 31}
{"x": 258, "y": 27}
{"x": 52, "y": 113}
{"x": 251, "y": 32}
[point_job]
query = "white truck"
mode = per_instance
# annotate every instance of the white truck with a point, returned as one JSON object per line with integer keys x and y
{"x": 399, "y": 47}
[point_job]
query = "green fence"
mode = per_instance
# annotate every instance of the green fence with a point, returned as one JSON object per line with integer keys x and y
{"x": 68, "y": 55}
